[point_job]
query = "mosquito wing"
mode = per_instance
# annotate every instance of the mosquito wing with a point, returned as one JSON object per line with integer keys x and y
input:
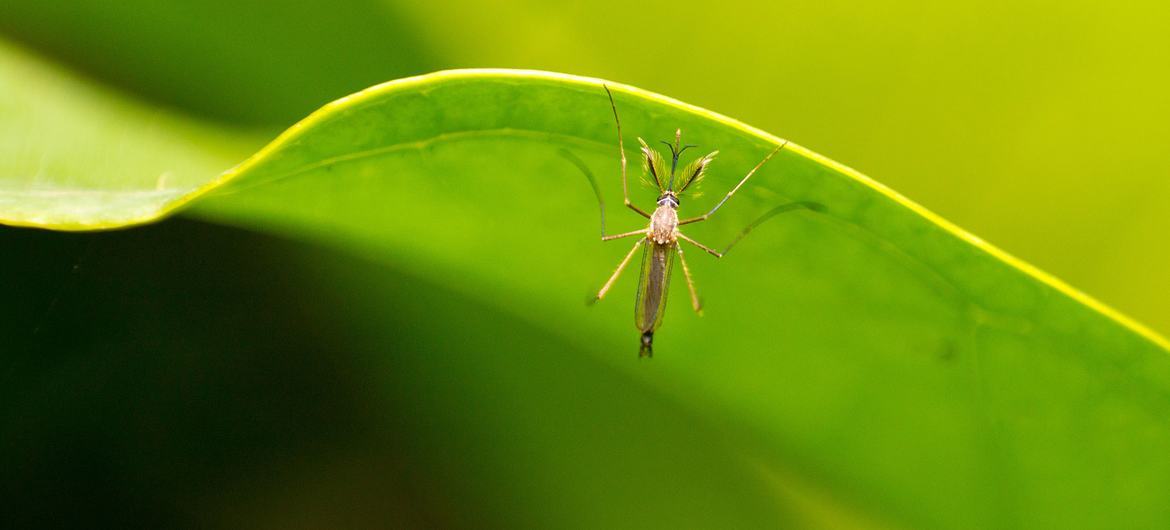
{"x": 653, "y": 282}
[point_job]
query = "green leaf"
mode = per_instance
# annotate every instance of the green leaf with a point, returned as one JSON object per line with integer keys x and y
{"x": 73, "y": 156}
{"x": 867, "y": 364}
{"x": 1008, "y": 157}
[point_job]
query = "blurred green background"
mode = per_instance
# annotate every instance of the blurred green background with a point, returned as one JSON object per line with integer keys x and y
{"x": 1039, "y": 126}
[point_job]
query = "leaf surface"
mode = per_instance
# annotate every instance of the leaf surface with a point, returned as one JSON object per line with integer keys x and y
{"x": 868, "y": 358}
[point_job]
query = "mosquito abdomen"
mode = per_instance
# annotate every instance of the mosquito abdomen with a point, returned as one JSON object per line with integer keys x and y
{"x": 650, "y": 303}
{"x": 647, "y": 347}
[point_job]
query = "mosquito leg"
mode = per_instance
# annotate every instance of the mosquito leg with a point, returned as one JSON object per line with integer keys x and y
{"x": 812, "y": 206}
{"x": 627, "y": 234}
{"x": 695, "y": 303}
{"x": 735, "y": 189}
{"x": 592, "y": 183}
{"x": 622, "y": 151}
{"x": 701, "y": 246}
{"x": 621, "y": 267}
{"x": 597, "y": 192}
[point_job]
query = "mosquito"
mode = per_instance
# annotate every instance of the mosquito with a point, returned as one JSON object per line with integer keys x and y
{"x": 660, "y": 240}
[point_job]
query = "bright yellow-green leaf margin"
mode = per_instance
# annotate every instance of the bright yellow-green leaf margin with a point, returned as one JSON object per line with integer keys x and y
{"x": 148, "y": 211}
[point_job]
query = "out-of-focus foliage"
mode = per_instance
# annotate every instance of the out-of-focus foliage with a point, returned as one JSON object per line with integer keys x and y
{"x": 250, "y": 62}
{"x": 426, "y": 359}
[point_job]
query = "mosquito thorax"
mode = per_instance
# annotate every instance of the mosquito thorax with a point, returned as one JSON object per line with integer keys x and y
{"x": 664, "y": 221}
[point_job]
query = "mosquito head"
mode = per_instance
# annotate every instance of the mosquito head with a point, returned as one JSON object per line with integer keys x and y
{"x": 668, "y": 199}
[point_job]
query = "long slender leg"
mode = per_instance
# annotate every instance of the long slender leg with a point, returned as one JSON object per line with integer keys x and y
{"x": 701, "y": 246}
{"x": 736, "y": 188}
{"x": 597, "y": 192}
{"x": 768, "y": 215}
{"x": 695, "y": 303}
{"x": 621, "y": 267}
{"x": 622, "y": 151}
{"x": 747, "y": 229}
{"x": 627, "y": 234}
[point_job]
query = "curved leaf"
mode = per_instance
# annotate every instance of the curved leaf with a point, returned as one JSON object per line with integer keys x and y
{"x": 77, "y": 157}
{"x": 869, "y": 350}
